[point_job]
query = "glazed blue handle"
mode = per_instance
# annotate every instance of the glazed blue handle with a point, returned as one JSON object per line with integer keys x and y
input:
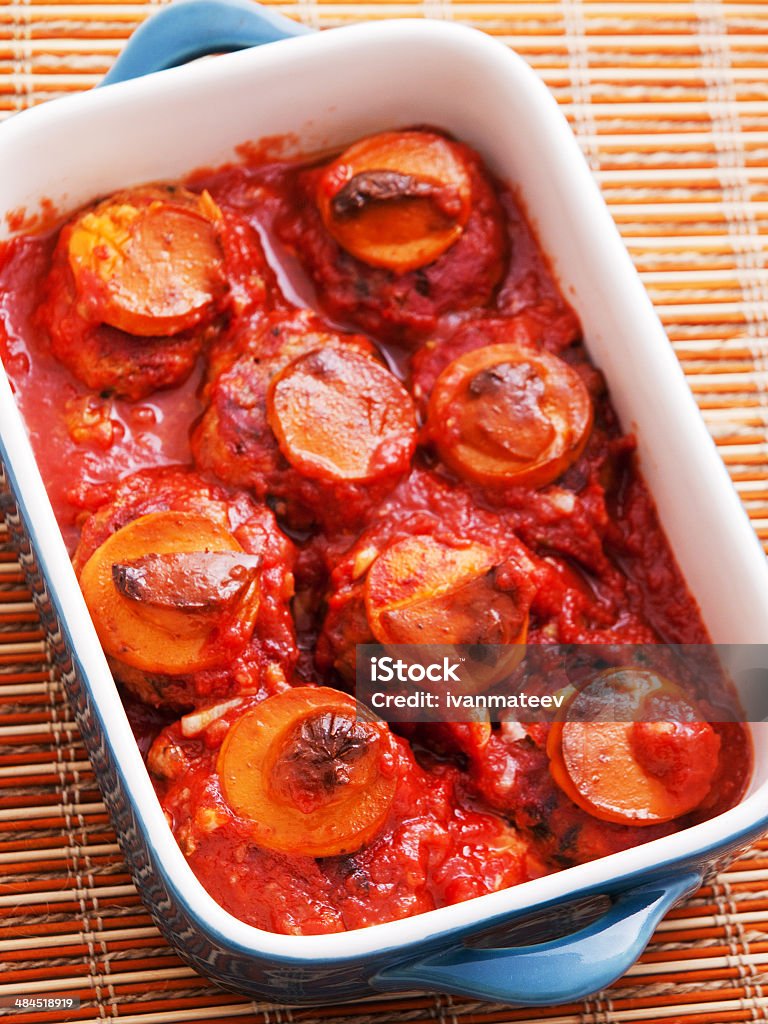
{"x": 559, "y": 971}
{"x": 195, "y": 28}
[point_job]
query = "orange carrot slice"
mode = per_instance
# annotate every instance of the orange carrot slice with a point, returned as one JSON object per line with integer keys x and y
{"x": 634, "y": 772}
{"x": 505, "y": 415}
{"x": 312, "y": 770}
{"x": 160, "y": 612}
{"x": 149, "y": 260}
{"x": 339, "y": 415}
{"x": 421, "y": 591}
{"x": 397, "y": 200}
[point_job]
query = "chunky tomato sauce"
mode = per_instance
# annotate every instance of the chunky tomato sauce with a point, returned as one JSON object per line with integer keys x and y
{"x": 353, "y": 532}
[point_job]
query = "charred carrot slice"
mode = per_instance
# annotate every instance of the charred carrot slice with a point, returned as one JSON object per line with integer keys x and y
{"x": 397, "y": 200}
{"x": 148, "y": 262}
{"x": 503, "y": 414}
{"x": 339, "y": 415}
{"x": 311, "y": 770}
{"x": 421, "y": 591}
{"x": 166, "y": 587}
{"x": 195, "y": 580}
{"x": 640, "y": 771}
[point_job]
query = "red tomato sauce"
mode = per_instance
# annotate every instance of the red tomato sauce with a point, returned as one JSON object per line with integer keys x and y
{"x": 473, "y": 813}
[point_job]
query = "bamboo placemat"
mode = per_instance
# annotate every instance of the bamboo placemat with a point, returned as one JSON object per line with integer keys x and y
{"x": 670, "y": 104}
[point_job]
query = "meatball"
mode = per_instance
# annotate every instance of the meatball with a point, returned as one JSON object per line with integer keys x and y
{"x": 307, "y": 417}
{"x": 429, "y": 850}
{"x": 189, "y": 586}
{"x": 511, "y": 775}
{"x": 415, "y": 577}
{"x": 139, "y": 285}
{"x": 401, "y": 307}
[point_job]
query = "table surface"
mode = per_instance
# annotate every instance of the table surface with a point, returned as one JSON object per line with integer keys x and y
{"x": 669, "y": 102}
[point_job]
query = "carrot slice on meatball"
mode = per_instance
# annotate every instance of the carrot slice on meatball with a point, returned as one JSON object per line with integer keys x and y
{"x": 655, "y": 763}
{"x": 342, "y": 416}
{"x": 172, "y": 593}
{"x": 148, "y": 262}
{"x": 312, "y": 770}
{"x": 396, "y": 200}
{"x": 421, "y": 591}
{"x": 504, "y": 414}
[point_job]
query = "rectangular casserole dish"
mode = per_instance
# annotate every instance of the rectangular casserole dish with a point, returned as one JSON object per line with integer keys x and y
{"x": 386, "y": 75}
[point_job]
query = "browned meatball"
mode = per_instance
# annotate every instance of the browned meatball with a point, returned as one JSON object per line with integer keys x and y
{"x": 511, "y": 774}
{"x": 402, "y": 308}
{"x": 452, "y": 852}
{"x": 236, "y": 661}
{"x": 140, "y": 283}
{"x": 307, "y": 417}
{"x": 413, "y": 578}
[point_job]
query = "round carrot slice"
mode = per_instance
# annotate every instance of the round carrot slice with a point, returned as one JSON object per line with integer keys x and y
{"x": 643, "y": 770}
{"x": 503, "y": 414}
{"x": 420, "y": 591}
{"x": 148, "y": 262}
{"x": 313, "y": 771}
{"x": 396, "y": 200}
{"x": 342, "y": 416}
{"x": 171, "y": 593}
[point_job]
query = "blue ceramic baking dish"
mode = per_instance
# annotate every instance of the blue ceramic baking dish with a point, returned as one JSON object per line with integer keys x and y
{"x": 323, "y": 90}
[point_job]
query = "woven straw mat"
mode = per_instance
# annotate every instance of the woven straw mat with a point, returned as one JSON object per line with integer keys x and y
{"x": 670, "y": 104}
